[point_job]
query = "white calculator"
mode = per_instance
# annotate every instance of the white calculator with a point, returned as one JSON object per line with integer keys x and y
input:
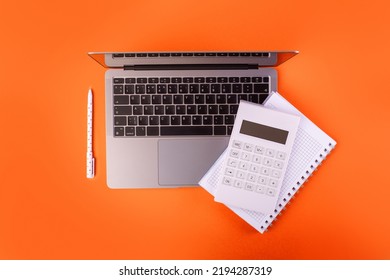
{"x": 256, "y": 158}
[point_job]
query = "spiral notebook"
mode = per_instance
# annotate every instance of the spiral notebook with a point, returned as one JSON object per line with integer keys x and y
{"x": 311, "y": 147}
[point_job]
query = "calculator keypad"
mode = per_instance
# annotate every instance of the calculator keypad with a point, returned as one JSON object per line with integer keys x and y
{"x": 254, "y": 168}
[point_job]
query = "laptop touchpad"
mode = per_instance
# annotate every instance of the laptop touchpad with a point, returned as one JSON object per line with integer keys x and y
{"x": 185, "y": 161}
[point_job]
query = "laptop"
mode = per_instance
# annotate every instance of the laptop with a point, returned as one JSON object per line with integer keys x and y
{"x": 169, "y": 114}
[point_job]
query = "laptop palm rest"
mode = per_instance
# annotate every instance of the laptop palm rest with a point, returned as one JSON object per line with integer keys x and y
{"x": 185, "y": 161}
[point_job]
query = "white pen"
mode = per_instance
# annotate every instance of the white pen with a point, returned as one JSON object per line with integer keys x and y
{"x": 90, "y": 158}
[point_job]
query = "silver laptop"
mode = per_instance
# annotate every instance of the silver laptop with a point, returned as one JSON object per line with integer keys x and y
{"x": 169, "y": 114}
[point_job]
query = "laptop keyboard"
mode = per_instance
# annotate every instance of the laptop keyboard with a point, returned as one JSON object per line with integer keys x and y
{"x": 173, "y": 106}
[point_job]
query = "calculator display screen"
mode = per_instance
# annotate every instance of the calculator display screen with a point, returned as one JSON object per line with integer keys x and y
{"x": 263, "y": 131}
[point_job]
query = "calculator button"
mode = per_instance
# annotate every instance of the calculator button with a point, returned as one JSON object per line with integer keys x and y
{"x": 232, "y": 162}
{"x": 271, "y": 192}
{"x": 248, "y": 147}
{"x": 229, "y": 171}
{"x": 256, "y": 159}
{"x": 281, "y": 155}
{"x": 259, "y": 150}
{"x": 251, "y": 177}
{"x": 227, "y": 181}
{"x": 278, "y": 164}
{"x": 240, "y": 175}
{"x": 234, "y": 153}
{"x": 243, "y": 165}
{"x": 249, "y": 187}
{"x": 238, "y": 184}
{"x": 265, "y": 171}
{"x": 270, "y": 152}
{"x": 237, "y": 144}
{"x": 263, "y": 180}
{"x": 260, "y": 189}
{"x": 275, "y": 173}
{"x": 273, "y": 183}
{"x": 267, "y": 161}
{"x": 254, "y": 168}
{"x": 245, "y": 156}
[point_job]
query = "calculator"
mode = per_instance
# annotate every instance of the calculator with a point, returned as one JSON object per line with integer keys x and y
{"x": 256, "y": 159}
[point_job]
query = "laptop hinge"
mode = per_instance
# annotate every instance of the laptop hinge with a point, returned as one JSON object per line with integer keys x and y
{"x": 148, "y": 67}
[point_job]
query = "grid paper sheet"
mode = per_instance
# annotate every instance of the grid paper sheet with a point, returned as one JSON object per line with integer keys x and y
{"x": 311, "y": 147}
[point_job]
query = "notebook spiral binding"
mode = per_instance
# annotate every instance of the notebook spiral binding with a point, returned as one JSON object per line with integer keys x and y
{"x": 286, "y": 200}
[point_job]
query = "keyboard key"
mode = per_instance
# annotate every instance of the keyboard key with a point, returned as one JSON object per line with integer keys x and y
{"x": 211, "y": 80}
{"x": 196, "y": 120}
{"x": 153, "y": 131}
{"x": 233, "y": 109}
{"x": 245, "y": 79}
{"x": 156, "y": 99}
{"x": 143, "y": 120}
{"x": 118, "y": 89}
{"x": 161, "y": 89}
{"x": 194, "y": 88}
{"x": 121, "y": 99}
{"x": 186, "y": 130}
{"x": 129, "y": 131}
{"x": 218, "y": 119}
{"x": 222, "y": 79}
{"x": 119, "y": 131}
{"x": 172, "y": 88}
{"x": 175, "y": 120}
{"x": 226, "y": 88}
{"x": 178, "y": 99}
{"x": 180, "y": 109}
{"x": 170, "y": 110}
{"x": 199, "y": 99}
{"x": 188, "y": 99}
{"x": 266, "y": 79}
{"x": 207, "y": 120}
{"x": 210, "y": 99}
{"x": 253, "y": 98}
{"x": 129, "y": 89}
{"x": 154, "y": 120}
{"x": 199, "y": 80}
{"x": 122, "y": 110}
{"x": 135, "y": 99}
{"x": 247, "y": 88}
{"x": 223, "y": 109}
{"x": 229, "y": 119}
{"x": 219, "y": 130}
{"x": 137, "y": 110}
{"x": 237, "y": 88}
{"x": 260, "y": 88}
{"x": 191, "y": 109}
{"x": 119, "y": 80}
{"x": 167, "y": 99}
{"x": 204, "y": 88}
{"x": 140, "y": 131}
{"x": 257, "y": 79}
{"x": 130, "y": 80}
{"x": 231, "y": 98}
{"x": 202, "y": 109}
{"x": 120, "y": 120}
{"x": 131, "y": 120}
{"x": 165, "y": 80}
{"x": 215, "y": 88}
{"x": 159, "y": 110}
{"x": 176, "y": 80}
{"x": 153, "y": 80}
{"x": 262, "y": 98}
{"x": 164, "y": 120}
{"x": 188, "y": 80}
{"x": 165, "y": 54}
{"x": 148, "y": 110}
{"x": 139, "y": 89}
{"x": 142, "y": 80}
{"x": 221, "y": 99}
{"x": 183, "y": 88}
{"x": 150, "y": 89}
{"x": 185, "y": 120}
{"x": 213, "y": 109}
{"x": 145, "y": 99}
{"x": 234, "y": 79}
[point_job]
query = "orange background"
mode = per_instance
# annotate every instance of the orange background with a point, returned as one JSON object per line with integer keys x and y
{"x": 49, "y": 210}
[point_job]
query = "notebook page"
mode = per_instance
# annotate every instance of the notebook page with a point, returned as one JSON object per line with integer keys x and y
{"x": 310, "y": 148}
